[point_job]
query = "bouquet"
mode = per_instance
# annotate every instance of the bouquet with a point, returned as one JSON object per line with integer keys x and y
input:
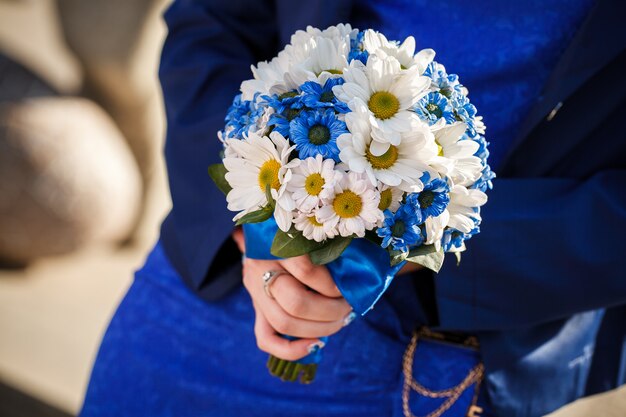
{"x": 359, "y": 152}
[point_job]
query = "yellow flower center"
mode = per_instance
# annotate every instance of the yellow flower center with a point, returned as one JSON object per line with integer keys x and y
{"x": 268, "y": 175}
{"x": 332, "y": 71}
{"x": 439, "y": 149}
{"x": 385, "y": 199}
{"x": 383, "y": 104}
{"x": 314, "y": 183}
{"x": 347, "y": 204}
{"x": 384, "y": 161}
{"x": 335, "y": 71}
{"x": 314, "y": 222}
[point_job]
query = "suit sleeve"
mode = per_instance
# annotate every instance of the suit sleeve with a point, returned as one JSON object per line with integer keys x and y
{"x": 548, "y": 248}
{"x": 207, "y": 53}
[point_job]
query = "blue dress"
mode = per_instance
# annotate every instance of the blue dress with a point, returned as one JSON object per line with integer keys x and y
{"x": 155, "y": 361}
{"x": 168, "y": 353}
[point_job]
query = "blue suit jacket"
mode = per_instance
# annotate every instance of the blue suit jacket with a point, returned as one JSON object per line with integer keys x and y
{"x": 551, "y": 254}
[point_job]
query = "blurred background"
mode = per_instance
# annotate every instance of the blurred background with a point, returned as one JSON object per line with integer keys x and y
{"x": 82, "y": 185}
{"x": 83, "y": 190}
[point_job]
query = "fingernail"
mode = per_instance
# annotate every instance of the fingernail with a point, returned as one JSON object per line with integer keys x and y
{"x": 314, "y": 347}
{"x": 349, "y": 318}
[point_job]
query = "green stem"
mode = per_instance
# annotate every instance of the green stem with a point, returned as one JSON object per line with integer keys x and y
{"x": 271, "y": 363}
{"x": 291, "y": 371}
{"x": 288, "y": 372}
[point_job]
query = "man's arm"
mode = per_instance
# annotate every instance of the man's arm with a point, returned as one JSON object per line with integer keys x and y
{"x": 207, "y": 53}
{"x": 548, "y": 248}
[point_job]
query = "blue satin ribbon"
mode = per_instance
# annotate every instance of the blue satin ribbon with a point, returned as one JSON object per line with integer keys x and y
{"x": 362, "y": 273}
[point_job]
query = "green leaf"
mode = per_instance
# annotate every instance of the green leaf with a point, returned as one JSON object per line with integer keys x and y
{"x": 330, "y": 251}
{"x": 458, "y": 258}
{"x": 217, "y": 172}
{"x": 422, "y": 250}
{"x": 397, "y": 256}
{"x": 256, "y": 216}
{"x": 292, "y": 243}
{"x": 432, "y": 260}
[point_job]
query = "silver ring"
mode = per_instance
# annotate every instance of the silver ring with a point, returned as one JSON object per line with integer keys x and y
{"x": 268, "y": 278}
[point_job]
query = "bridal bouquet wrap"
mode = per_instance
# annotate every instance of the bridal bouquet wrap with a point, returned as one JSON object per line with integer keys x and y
{"x": 359, "y": 152}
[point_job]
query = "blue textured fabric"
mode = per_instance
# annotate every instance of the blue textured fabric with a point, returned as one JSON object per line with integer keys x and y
{"x": 503, "y": 51}
{"x": 155, "y": 361}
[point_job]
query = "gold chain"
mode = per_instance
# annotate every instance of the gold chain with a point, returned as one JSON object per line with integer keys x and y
{"x": 452, "y": 394}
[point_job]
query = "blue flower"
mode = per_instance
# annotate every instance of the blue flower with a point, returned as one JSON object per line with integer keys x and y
{"x": 433, "y": 107}
{"x": 279, "y": 123}
{"x": 285, "y": 101}
{"x": 485, "y": 183}
{"x": 357, "y": 51}
{"x": 315, "y": 96}
{"x": 465, "y": 111}
{"x": 448, "y": 85}
{"x": 316, "y": 132}
{"x": 433, "y": 199}
{"x": 286, "y": 107}
{"x": 453, "y": 238}
{"x": 401, "y": 229}
{"x": 241, "y": 116}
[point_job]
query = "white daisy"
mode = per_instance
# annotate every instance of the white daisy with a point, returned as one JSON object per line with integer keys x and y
{"x": 269, "y": 78}
{"x": 253, "y": 164}
{"x": 463, "y": 207}
{"x": 390, "y": 197}
{"x": 455, "y": 156}
{"x": 400, "y": 166}
{"x": 434, "y": 227}
{"x": 388, "y": 93}
{"x": 377, "y": 44}
{"x": 352, "y": 208}
{"x": 312, "y": 229}
{"x": 261, "y": 123}
{"x": 319, "y": 58}
{"x": 338, "y": 32}
{"x": 311, "y": 181}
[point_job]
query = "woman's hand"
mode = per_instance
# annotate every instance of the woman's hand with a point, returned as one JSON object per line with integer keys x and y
{"x": 295, "y": 310}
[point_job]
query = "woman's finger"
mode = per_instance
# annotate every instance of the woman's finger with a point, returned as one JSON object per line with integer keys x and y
{"x": 269, "y": 341}
{"x": 284, "y": 323}
{"x": 314, "y": 276}
{"x": 300, "y": 302}
{"x": 279, "y": 319}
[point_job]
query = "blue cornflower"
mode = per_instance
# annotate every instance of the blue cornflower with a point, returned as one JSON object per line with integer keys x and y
{"x": 357, "y": 51}
{"x": 287, "y": 107}
{"x": 483, "y": 151}
{"x": 448, "y": 85}
{"x": 433, "y": 199}
{"x": 401, "y": 229}
{"x": 279, "y": 123}
{"x": 453, "y": 238}
{"x": 315, "y": 96}
{"x": 465, "y": 111}
{"x": 433, "y": 107}
{"x": 315, "y": 132}
{"x": 485, "y": 183}
{"x": 241, "y": 116}
{"x": 285, "y": 101}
